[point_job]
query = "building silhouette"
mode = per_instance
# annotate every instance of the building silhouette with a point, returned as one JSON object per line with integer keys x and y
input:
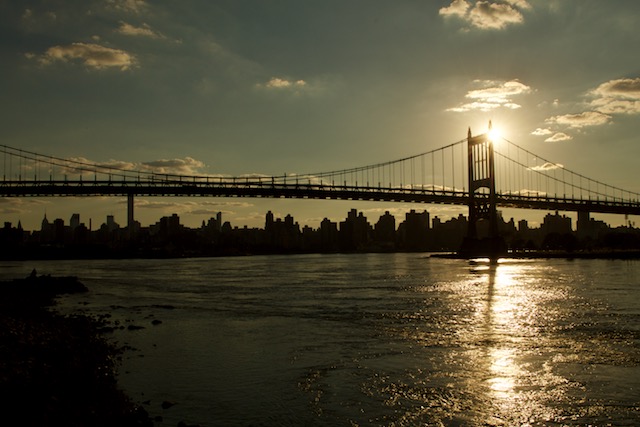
{"x": 417, "y": 233}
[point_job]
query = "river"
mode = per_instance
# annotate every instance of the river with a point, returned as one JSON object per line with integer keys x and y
{"x": 369, "y": 339}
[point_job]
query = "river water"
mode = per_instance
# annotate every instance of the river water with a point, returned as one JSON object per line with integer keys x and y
{"x": 370, "y": 339}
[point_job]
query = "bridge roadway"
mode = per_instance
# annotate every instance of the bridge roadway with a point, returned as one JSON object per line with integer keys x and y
{"x": 241, "y": 187}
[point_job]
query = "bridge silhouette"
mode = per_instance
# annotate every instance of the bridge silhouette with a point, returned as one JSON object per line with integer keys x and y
{"x": 476, "y": 171}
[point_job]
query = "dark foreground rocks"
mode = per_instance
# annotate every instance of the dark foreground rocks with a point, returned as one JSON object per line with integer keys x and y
{"x": 57, "y": 370}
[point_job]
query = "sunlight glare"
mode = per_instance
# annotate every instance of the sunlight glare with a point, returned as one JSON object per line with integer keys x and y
{"x": 495, "y": 135}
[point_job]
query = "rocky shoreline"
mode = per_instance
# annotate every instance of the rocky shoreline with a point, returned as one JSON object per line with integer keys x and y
{"x": 54, "y": 369}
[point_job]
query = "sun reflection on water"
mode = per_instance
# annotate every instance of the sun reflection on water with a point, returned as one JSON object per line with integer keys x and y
{"x": 507, "y": 313}
{"x": 502, "y": 326}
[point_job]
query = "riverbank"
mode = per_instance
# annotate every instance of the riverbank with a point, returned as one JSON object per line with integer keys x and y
{"x": 603, "y": 254}
{"x": 57, "y": 370}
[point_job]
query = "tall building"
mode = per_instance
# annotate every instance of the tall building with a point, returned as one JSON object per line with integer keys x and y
{"x": 269, "y": 221}
{"x": 111, "y": 224}
{"x": 414, "y": 231}
{"x": 328, "y": 235}
{"x": 385, "y": 230}
{"x": 354, "y": 231}
{"x": 74, "y": 222}
{"x": 556, "y": 224}
{"x": 214, "y": 225}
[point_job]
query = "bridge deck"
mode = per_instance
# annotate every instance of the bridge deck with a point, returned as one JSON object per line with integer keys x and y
{"x": 265, "y": 189}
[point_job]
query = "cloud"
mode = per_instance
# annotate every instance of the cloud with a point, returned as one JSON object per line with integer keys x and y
{"x": 144, "y": 31}
{"x": 580, "y": 120}
{"x": 522, "y": 4}
{"x": 212, "y": 208}
{"x": 493, "y": 95}
{"x": 133, "y": 6}
{"x": 541, "y": 132}
{"x": 620, "y": 96}
{"x": 499, "y": 91}
{"x": 17, "y": 205}
{"x": 457, "y": 8}
{"x": 487, "y": 15}
{"x": 546, "y": 167}
{"x": 145, "y": 204}
{"x": 191, "y": 207}
{"x": 555, "y": 137}
{"x": 93, "y": 56}
{"x": 627, "y": 88}
{"x": 528, "y": 192}
{"x": 277, "y": 83}
{"x": 559, "y": 136}
{"x": 321, "y": 85}
{"x": 616, "y": 106}
{"x": 495, "y": 16}
{"x": 185, "y": 166}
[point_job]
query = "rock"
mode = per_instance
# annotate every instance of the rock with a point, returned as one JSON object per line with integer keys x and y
{"x": 134, "y": 327}
{"x": 167, "y": 404}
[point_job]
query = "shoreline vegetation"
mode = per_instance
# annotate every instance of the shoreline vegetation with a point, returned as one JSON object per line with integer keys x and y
{"x": 58, "y": 369}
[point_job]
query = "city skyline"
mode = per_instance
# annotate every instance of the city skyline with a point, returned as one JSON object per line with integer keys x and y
{"x": 416, "y": 232}
{"x": 236, "y": 88}
{"x": 113, "y": 222}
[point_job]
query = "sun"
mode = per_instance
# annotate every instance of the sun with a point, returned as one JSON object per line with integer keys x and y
{"x": 494, "y": 134}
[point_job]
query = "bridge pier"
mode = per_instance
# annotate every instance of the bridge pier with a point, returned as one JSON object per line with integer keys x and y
{"x": 482, "y": 199}
{"x": 130, "y": 218}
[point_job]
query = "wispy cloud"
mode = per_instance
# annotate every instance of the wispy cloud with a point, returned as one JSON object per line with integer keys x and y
{"x": 18, "y": 205}
{"x": 546, "y": 167}
{"x": 559, "y": 136}
{"x": 132, "y": 6}
{"x": 143, "y": 31}
{"x": 618, "y": 96}
{"x": 580, "y": 120}
{"x": 278, "y": 83}
{"x": 492, "y": 95}
{"x": 184, "y": 166}
{"x": 487, "y": 15}
{"x": 92, "y": 55}
{"x": 542, "y": 132}
{"x": 319, "y": 85}
{"x": 190, "y": 207}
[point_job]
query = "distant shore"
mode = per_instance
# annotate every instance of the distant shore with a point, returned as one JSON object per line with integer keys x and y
{"x": 599, "y": 254}
{"x": 117, "y": 255}
{"x": 57, "y": 370}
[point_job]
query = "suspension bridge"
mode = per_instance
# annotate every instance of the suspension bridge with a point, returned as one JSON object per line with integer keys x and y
{"x": 474, "y": 171}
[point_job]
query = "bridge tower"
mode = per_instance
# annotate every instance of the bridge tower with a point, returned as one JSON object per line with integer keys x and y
{"x": 482, "y": 199}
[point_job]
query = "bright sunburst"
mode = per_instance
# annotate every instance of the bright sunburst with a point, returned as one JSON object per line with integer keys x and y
{"x": 494, "y": 134}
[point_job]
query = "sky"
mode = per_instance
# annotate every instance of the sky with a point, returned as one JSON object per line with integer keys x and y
{"x": 287, "y": 86}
